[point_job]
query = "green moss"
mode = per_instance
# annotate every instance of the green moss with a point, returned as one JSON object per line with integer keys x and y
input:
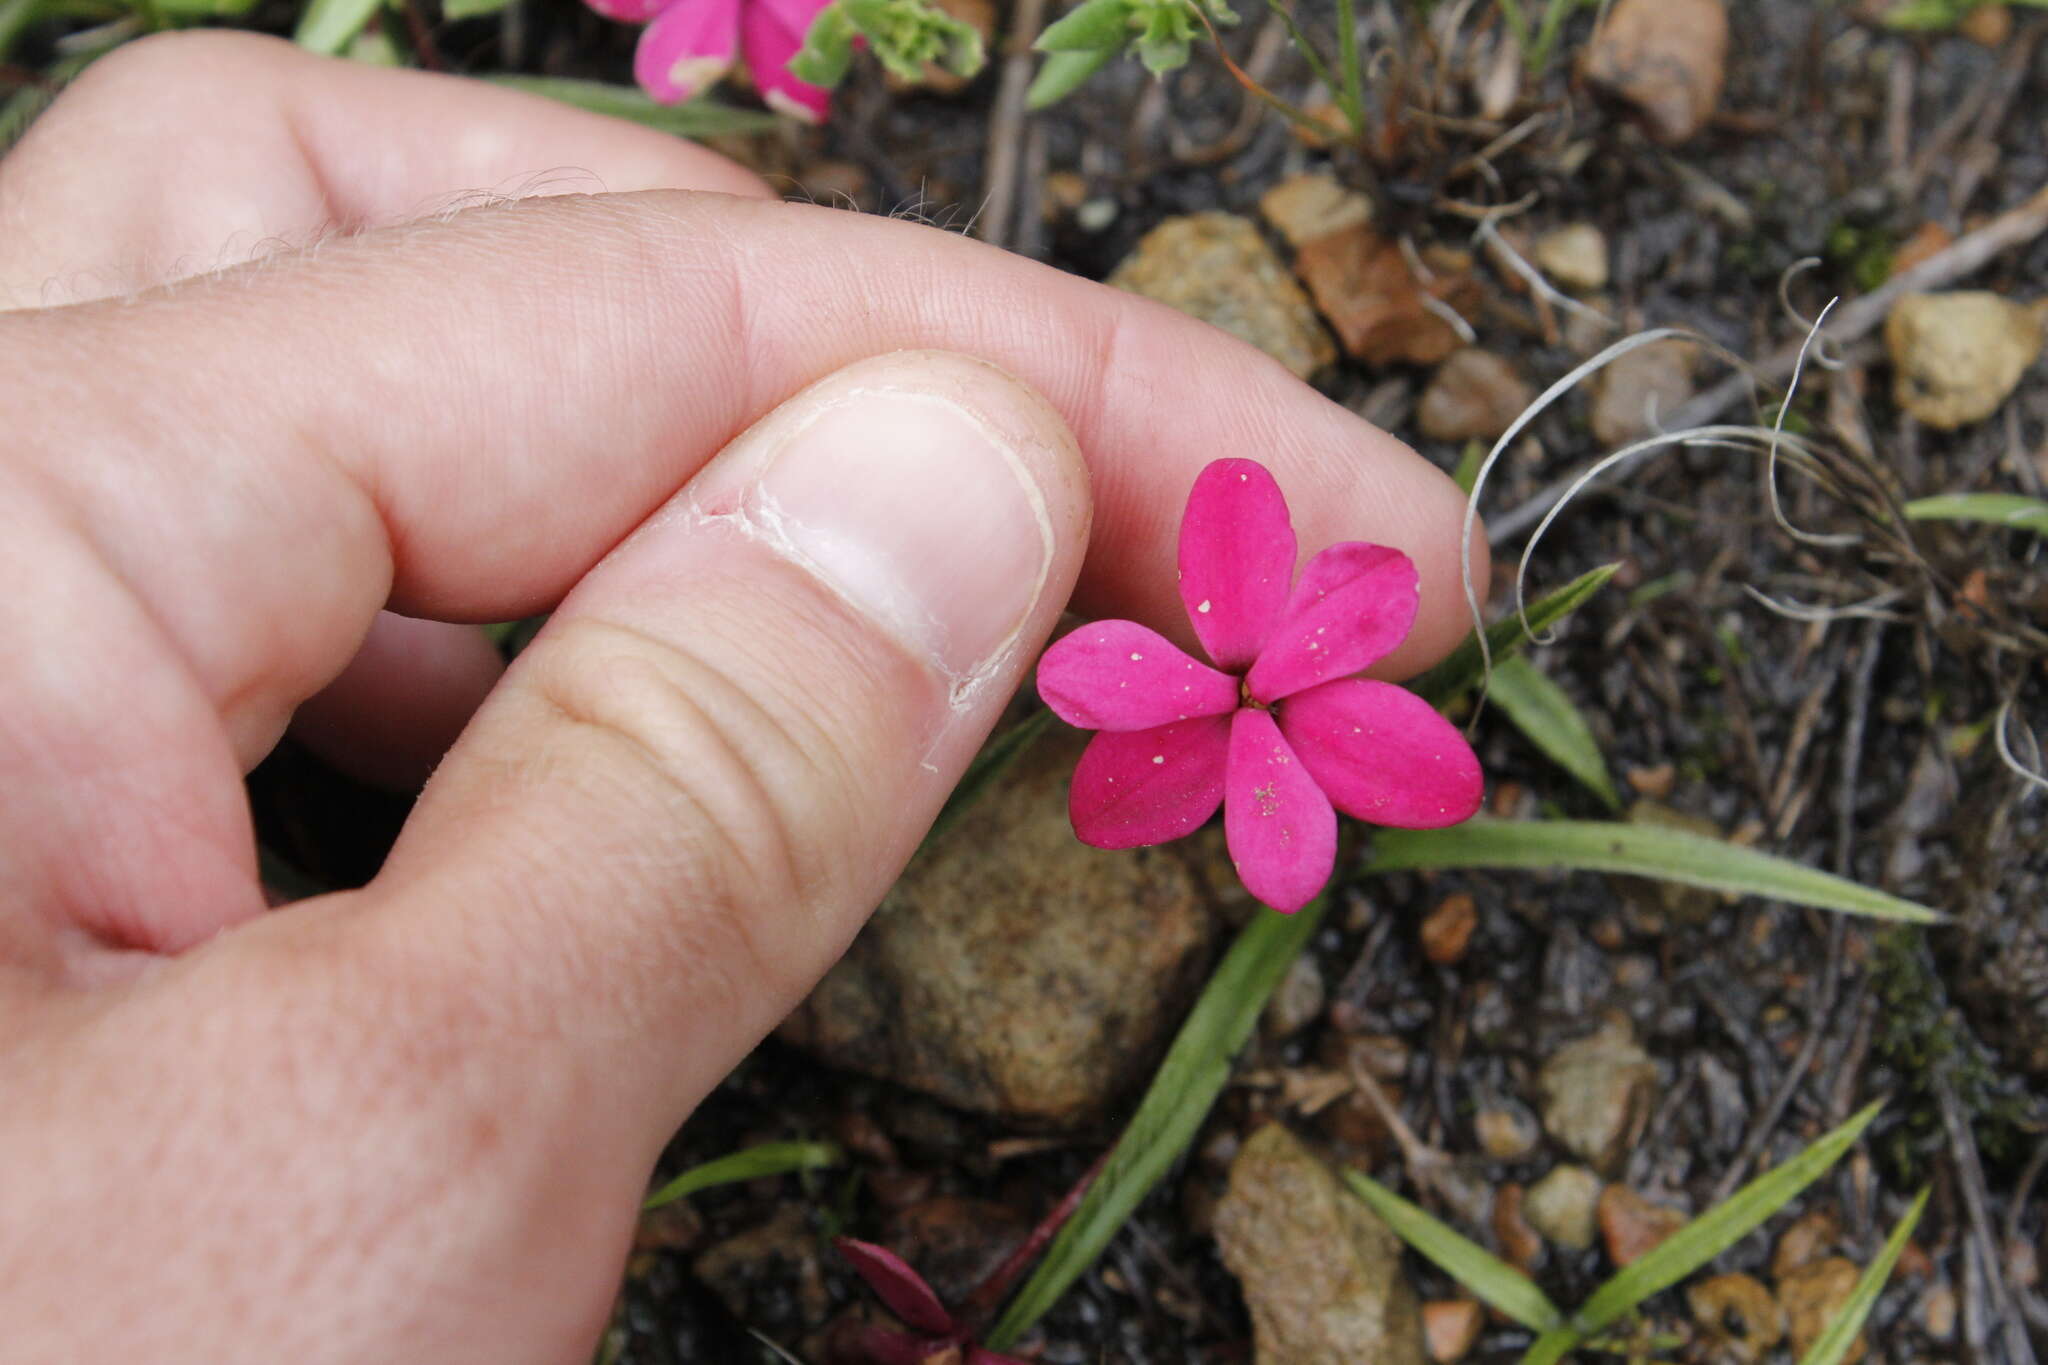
{"x": 1920, "y": 1035}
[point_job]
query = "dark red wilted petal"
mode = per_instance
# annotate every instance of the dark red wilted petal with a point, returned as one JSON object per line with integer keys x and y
{"x": 1236, "y": 560}
{"x": 1354, "y": 603}
{"x": 1383, "y": 754}
{"x": 897, "y": 1285}
{"x": 1117, "y": 675}
{"x": 1148, "y": 786}
{"x": 1279, "y": 826}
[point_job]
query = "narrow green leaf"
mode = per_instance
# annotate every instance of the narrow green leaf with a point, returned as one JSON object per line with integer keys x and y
{"x": 16, "y": 15}
{"x": 1637, "y": 850}
{"x": 1062, "y": 73}
{"x": 1835, "y": 1339}
{"x": 1090, "y": 27}
{"x": 1540, "y": 709}
{"x": 2000, "y": 509}
{"x": 1470, "y": 461}
{"x": 1471, "y": 1265}
{"x": 1505, "y": 638}
{"x": 471, "y": 9}
{"x": 1181, "y": 1094}
{"x": 1719, "y": 1228}
{"x": 327, "y": 26}
{"x": 749, "y": 1163}
{"x": 997, "y": 757}
{"x": 700, "y": 117}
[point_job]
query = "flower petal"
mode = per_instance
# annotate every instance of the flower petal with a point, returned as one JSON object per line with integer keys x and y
{"x": 982, "y": 1355}
{"x": 774, "y": 33}
{"x": 1117, "y": 675}
{"x": 1236, "y": 559}
{"x": 688, "y": 47}
{"x": 1279, "y": 826}
{"x": 1384, "y": 754}
{"x": 1148, "y": 786}
{"x": 897, "y": 1285}
{"x": 1354, "y": 603}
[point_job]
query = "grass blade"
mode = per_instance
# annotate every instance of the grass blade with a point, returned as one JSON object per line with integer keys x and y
{"x": 1636, "y": 850}
{"x": 1505, "y": 638}
{"x": 997, "y": 757}
{"x": 1540, "y": 709}
{"x": 1714, "y": 1231}
{"x": 700, "y": 117}
{"x": 1833, "y": 1343}
{"x": 1471, "y": 1265}
{"x": 749, "y": 1163}
{"x": 327, "y": 25}
{"x": 1999, "y": 509}
{"x": 1168, "y": 1117}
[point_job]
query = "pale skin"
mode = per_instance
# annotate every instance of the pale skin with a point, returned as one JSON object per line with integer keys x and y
{"x": 413, "y": 1122}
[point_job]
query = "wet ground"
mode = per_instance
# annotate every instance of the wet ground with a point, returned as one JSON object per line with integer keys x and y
{"x": 1853, "y": 743}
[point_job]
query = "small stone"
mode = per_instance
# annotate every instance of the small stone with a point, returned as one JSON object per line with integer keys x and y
{"x": 1574, "y": 256}
{"x": 1738, "y": 1315}
{"x": 1216, "y": 267}
{"x": 1596, "y": 1091}
{"x": 1957, "y": 356}
{"x": 1506, "y": 1130}
{"x": 1096, "y": 214}
{"x": 1563, "y": 1206}
{"x": 1929, "y": 239}
{"x": 1373, "y": 298}
{"x": 1521, "y": 1246}
{"x": 1297, "y": 1002}
{"x": 1063, "y": 194}
{"x": 1589, "y": 329}
{"x": 752, "y": 1272}
{"x": 1013, "y": 970}
{"x": 1321, "y": 1273}
{"x": 1938, "y": 1312}
{"x": 1474, "y": 396}
{"x": 1450, "y": 1328}
{"x": 1666, "y": 57}
{"x": 1447, "y": 930}
{"x": 1640, "y": 389}
{"x": 1631, "y": 1225}
{"x": 1812, "y": 1296}
{"x": 956, "y": 1242}
{"x": 1655, "y": 783}
{"x": 1987, "y": 25}
{"x": 1382, "y": 1056}
{"x": 1304, "y": 207}
{"x": 1811, "y": 1237}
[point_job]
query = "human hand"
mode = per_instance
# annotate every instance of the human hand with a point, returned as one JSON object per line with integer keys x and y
{"x": 796, "y": 568}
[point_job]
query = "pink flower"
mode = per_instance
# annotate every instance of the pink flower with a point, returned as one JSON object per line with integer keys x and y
{"x": 1279, "y": 733}
{"x": 937, "y": 1336}
{"x": 689, "y": 44}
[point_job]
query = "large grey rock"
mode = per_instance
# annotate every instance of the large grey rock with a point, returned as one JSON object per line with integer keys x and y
{"x": 1014, "y": 970}
{"x": 1321, "y": 1272}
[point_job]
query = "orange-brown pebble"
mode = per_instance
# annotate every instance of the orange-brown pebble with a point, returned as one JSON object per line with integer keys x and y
{"x": 1450, "y": 1328}
{"x": 1520, "y": 1245}
{"x": 1737, "y": 1315}
{"x": 1654, "y": 782}
{"x": 1631, "y": 1225}
{"x": 1812, "y": 1235}
{"x": 1447, "y": 930}
{"x": 1812, "y": 1296}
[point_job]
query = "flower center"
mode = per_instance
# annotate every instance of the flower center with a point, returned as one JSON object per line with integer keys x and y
{"x": 1245, "y": 697}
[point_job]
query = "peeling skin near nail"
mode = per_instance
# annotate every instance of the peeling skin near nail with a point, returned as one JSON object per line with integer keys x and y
{"x": 726, "y": 495}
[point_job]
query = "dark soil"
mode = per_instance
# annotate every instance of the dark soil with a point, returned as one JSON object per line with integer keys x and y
{"x": 1851, "y": 744}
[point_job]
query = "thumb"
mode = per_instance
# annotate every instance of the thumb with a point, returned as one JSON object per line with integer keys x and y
{"x": 689, "y": 791}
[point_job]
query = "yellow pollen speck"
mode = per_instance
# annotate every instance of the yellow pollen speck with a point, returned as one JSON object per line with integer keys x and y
{"x": 1205, "y": 605}
{"x": 1136, "y": 657}
{"x": 1159, "y": 758}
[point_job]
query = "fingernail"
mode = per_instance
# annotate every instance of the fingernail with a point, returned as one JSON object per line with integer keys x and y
{"x": 918, "y": 506}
